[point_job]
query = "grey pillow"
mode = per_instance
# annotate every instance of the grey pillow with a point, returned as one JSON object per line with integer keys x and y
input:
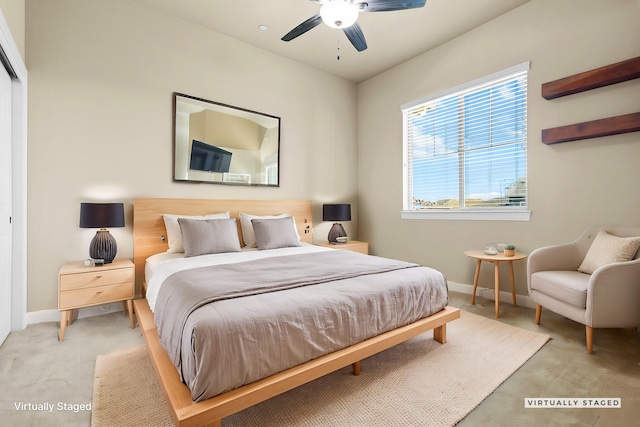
{"x": 209, "y": 236}
{"x": 274, "y": 233}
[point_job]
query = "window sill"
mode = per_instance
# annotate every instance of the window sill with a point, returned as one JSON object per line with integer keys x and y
{"x": 470, "y": 214}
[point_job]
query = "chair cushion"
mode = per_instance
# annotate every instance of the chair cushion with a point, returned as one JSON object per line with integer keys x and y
{"x": 566, "y": 286}
{"x": 607, "y": 249}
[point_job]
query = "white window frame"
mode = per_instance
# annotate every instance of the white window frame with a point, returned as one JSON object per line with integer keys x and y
{"x": 490, "y": 214}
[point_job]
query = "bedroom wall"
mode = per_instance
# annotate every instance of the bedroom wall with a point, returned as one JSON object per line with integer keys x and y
{"x": 101, "y": 78}
{"x": 571, "y": 185}
{"x": 13, "y": 12}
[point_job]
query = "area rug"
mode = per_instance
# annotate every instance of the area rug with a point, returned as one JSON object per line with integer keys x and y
{"x": 417, "y": 383}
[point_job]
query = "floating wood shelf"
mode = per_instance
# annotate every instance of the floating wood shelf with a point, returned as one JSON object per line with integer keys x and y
{"x": 599, "y": 77}
{"x": 592, "y": 129}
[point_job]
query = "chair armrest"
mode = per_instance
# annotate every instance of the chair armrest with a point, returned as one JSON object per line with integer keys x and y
{"x": 555, "y": 258}
{"x": 613, "y": 296}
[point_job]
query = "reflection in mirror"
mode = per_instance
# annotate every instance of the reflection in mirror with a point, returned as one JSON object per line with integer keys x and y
{"x": 221, "y": 144}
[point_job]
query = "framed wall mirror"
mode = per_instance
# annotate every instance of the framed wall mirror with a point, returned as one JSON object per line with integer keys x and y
{"x": 221, "y": 144}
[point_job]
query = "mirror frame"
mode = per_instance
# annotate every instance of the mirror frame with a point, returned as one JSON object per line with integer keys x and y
{"x": 180, "y": 157}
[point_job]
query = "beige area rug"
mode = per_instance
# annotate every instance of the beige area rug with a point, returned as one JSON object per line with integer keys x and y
{"x": 417, "y": 383}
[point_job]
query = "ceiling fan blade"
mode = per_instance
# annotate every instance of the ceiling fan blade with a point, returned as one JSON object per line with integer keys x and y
{"x": 389, "y": 5}
{"x": 310, "y": 23}
{"x": 356, "y": 37}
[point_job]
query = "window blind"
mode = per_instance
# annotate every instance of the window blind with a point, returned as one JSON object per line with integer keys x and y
{"x": 467, "y": 148}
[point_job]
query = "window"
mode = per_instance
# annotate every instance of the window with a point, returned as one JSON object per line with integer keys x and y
{"x": 271, "y": 169}
{"x": 465, "y": 150}
{"x": 271, "y": 172}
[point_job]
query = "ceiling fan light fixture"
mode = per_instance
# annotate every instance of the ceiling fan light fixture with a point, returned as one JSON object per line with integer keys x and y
{"x": 339, "y": 13}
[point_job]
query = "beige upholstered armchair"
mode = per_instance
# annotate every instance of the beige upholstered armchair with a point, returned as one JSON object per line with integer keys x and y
{"x": 594, "y": 280}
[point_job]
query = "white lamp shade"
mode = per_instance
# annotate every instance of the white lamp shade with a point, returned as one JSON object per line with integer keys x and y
{"x": 339, "y": 14}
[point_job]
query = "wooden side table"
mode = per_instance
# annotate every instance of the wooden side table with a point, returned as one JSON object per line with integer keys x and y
{"x": 81, "y": 286}
{"x": 496, "y": 260}
{"x": 351, "y": 245}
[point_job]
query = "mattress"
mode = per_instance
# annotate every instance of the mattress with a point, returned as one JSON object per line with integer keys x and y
{"x": 232, "y": 341}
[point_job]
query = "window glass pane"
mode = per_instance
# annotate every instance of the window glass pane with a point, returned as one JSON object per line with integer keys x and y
{"x": 468, "y": 146}
{"x": 437, "y": 185}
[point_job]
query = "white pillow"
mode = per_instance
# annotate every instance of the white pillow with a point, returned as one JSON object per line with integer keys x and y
{"x": 174, "y": 234}
{"x": 607, "y": 249}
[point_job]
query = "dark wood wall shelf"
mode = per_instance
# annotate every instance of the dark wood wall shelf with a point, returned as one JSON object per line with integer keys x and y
{"x": 592, "y": 129}
{"x": 599, "y": 77}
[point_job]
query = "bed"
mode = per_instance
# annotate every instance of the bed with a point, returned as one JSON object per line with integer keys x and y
{"x": 306, "y": 359}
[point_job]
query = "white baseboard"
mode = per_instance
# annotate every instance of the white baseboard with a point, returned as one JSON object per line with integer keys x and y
{"x": 522, "y": 300}
{"x": 54, "y": 315}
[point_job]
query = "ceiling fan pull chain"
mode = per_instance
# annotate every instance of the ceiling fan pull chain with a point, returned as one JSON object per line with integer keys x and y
{"x": 338, "y": 50}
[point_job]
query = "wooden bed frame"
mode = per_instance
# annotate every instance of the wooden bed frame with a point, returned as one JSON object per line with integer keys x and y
{"x": 150, "y": 238}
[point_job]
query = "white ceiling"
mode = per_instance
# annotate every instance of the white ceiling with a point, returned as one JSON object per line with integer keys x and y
{"x": 392, "y": 37}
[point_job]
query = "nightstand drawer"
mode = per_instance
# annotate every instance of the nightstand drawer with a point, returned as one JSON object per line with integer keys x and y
{"x": 363, "y": 248}
{"x": 93, "y": 279}
{"x": 96, "y": 295}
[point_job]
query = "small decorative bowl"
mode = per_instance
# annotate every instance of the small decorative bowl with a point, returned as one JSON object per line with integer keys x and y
{"x": 490, "y": 250}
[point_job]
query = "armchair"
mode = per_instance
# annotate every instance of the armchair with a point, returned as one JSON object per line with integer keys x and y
{"x": 609, "y": 297}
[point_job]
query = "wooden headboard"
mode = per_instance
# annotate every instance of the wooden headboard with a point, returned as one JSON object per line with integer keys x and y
{"x": 149, "y": 233}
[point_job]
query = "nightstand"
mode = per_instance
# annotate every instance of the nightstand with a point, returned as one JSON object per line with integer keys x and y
{"x": 81, "y": 286}
{"x": 351, "y": 245}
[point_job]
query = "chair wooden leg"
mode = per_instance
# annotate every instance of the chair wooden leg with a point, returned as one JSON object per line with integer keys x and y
{"x": 589, "y": 334}
{"x": 538, "y": 313}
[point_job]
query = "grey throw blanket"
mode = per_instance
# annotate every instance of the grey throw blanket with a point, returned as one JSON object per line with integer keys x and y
{"x": 185, "y": 291}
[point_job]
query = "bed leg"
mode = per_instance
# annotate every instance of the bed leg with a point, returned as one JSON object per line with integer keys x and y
{"x": 440, "y": 334}
{"x": 356, "y": 368}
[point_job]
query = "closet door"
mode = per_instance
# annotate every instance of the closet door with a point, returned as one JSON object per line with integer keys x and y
{"x": 5, "y": 204}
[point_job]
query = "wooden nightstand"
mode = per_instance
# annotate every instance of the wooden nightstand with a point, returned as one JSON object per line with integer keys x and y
{"x": 351, "y": 245}
{"x": 81, "y": 286}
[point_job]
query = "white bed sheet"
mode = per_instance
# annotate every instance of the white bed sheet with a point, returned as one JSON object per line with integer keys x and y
{"x": 153, "y": 261}
{"x": 160, "y": 266}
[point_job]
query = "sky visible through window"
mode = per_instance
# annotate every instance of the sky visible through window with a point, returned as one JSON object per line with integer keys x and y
{"x": 479, "y": 136}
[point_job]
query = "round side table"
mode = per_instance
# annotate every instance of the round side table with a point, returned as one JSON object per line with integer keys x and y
{"x": 496, "y": 260}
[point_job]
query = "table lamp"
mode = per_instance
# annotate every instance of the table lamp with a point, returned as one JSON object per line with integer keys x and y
{"x": 336, "y": 212}
{"x": 102, "y": 215}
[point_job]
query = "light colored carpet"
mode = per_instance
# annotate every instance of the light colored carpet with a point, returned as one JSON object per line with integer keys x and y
{"x": 417, "y": 383}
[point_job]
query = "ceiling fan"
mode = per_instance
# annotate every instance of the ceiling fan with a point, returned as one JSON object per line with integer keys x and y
{"x": 343, "y": 14}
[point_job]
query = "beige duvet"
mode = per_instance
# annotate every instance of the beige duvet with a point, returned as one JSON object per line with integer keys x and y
{"x": 228, "y": 325}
